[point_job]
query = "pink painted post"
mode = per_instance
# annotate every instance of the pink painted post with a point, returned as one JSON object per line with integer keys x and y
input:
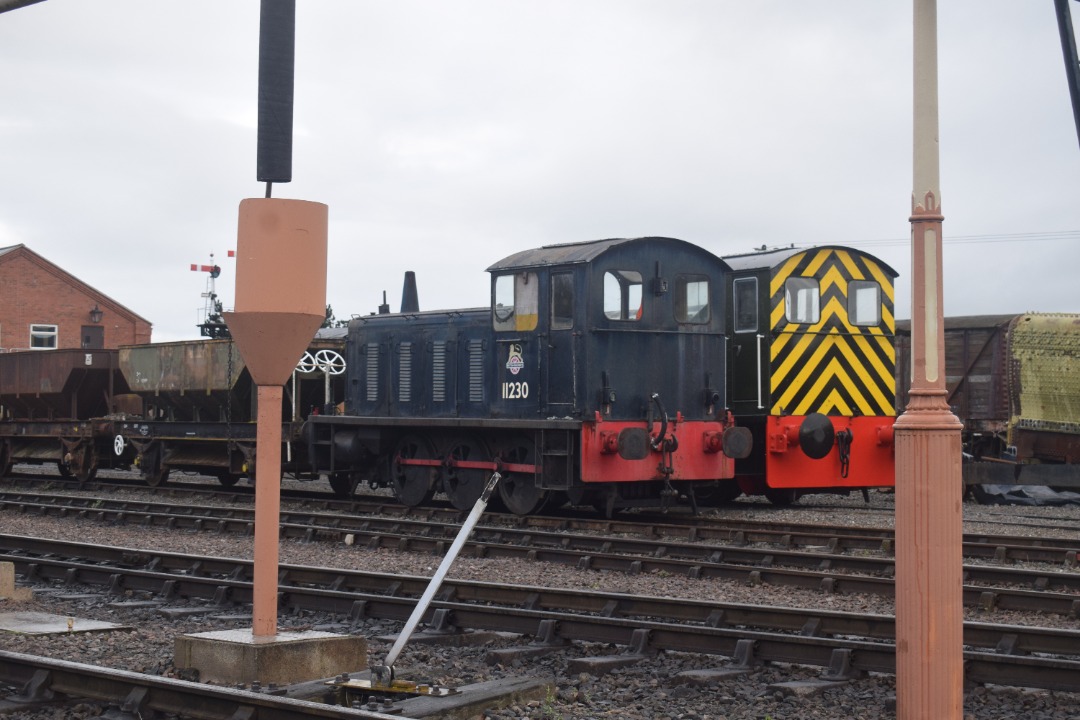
{"x": 929, "y": 484}
{"x": 267, "y": 511}
{"x": 280, "y": 303}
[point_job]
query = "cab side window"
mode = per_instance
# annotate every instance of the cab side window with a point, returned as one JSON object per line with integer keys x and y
{"x": 745, "y": 301}
{"x": 692, "y": 299}
{"x": 802, "y": 300}
{"x": 622, "y": 295}
{"x": 516, "y": 302}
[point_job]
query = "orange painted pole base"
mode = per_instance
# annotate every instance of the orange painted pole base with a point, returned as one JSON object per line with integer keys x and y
{"x": 267, "y": 512}
{"x": 929, "y": 561}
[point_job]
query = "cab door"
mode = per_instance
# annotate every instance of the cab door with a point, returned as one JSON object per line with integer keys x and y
{"x": 563, "y": 347}
{"x": 747, "y": 366}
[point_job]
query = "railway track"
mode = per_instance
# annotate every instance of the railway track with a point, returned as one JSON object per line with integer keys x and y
{"x": 855, "y": 643}
{"x": 47, "y": 680}
{"x": 679, "y": 524}
{"x": 818, "y": 565}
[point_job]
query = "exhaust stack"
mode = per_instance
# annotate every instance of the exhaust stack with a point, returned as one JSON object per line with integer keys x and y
{"x": 409, "y": 300}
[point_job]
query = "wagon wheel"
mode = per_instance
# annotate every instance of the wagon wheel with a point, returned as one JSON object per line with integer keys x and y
{"x": 413, "y": 484}
{"x": 6, "y": 460}
{"x": 464, "y": 485}
{"x": 226, "y": 478}
{"x": 154, "y": 471}
{"x": 79, "y": 462}
{"x": 517, "y": 489}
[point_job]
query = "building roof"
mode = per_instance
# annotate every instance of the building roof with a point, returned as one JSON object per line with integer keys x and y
{"x": 12, "y": 252}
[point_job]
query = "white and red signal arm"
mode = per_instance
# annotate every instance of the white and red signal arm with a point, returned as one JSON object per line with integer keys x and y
{"x": 214, "y": 270}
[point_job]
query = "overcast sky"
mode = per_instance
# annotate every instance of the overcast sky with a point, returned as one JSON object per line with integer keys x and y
{"x": 447, "y": 135}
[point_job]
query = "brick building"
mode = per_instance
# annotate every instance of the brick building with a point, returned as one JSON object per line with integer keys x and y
{"x": 45, "y": 307}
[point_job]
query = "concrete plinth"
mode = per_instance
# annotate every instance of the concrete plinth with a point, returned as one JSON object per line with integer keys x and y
{"x": 238, "y": 656}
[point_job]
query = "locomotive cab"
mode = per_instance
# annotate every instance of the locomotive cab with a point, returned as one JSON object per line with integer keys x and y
{"x": 812, "y": 365}
{"x": 625, "y": 337}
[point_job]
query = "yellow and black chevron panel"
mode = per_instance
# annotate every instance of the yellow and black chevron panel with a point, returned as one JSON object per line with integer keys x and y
{"x": 821, "y": 359}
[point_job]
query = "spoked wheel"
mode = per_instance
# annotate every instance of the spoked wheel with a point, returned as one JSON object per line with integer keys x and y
{"x": 517, "y": 488}
{"x": 413, "y": 484}
{"x": 464, "y": 485}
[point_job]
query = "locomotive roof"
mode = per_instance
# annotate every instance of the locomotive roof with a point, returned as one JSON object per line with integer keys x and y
{"x": 772, "y": 258}
{"x": 573, "y": 253}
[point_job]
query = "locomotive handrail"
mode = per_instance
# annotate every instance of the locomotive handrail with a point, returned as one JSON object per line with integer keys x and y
{"x": 760, "y": 405}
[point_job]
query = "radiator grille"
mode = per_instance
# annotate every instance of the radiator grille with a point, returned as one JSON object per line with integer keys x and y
{"x": 438, "y": 372}
{"x": 476, "y": 371}
{"x": 371, "y": 375}
{"x": 405, "y": 372}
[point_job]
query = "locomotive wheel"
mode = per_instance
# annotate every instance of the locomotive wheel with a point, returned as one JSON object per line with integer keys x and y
{"x": 344, "y": 484}
{"x": 518, "y": 490}
{"x": 717, "y": 493}
{"x": 781, "y": 497}
{"x": 413, "y": 484}
{"x": 464, "y": 485}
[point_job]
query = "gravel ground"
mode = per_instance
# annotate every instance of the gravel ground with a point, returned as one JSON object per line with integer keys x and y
{"x": 650, "y": 689}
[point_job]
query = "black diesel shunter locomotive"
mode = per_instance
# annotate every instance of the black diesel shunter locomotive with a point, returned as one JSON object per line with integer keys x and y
{"x": 596, "y": 375}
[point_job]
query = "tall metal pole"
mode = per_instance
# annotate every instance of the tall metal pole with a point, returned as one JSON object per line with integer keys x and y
{"x": 929, "y": 484}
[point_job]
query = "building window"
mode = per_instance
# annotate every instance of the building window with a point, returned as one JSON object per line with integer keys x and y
{"x": 43, "y": 337}
{"x": 745, "y": 298}
{"x": 864, "y": 302}
{"x": 802, "y": 300}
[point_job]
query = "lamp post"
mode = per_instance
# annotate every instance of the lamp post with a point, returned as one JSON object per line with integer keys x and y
{"x": 929, "y": 483}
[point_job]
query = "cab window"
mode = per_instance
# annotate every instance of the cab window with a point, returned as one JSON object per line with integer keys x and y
{"x": 745, "y": 301}
{"x": 515, "y": 302}
{"x": 562, "y": 301}
{"x": 692, "y": 299}
{"x": 802, "y": 300}
{"x": 864, "y": 302}
{"x": 622, "y": 295}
